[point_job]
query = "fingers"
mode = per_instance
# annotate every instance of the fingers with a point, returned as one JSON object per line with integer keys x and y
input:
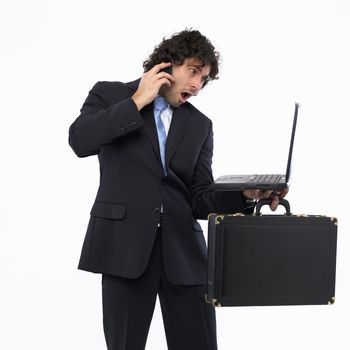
{"x": 265, "y": 194}
{"x": 158, "y": 77}
{"x": 257, "y": 194}
{"x": 275, "y": 196}
{"x": 158, "y": 67}
{"x": 249, "y": 194}
{"x": 161, "y": 75}
{"x": 284, "y": 192}
{"x": 270, "y": 193}
{"x": 274, "y": 202}
{"x": 261, "y": 194}
{"x": 165, "y": 75}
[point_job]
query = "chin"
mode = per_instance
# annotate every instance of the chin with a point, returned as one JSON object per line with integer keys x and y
{"x": 174, "y": 99}
{"x": 175, "y": 105}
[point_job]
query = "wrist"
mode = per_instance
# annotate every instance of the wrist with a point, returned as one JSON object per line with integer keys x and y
{"x": 138, "y": 101}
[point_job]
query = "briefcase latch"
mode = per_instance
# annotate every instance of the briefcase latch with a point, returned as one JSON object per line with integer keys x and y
{"x": 213, "y": 301}
{"x": 218, "y": 219}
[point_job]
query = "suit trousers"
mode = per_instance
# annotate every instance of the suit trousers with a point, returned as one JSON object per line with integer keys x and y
{"x": 128, "y": 306}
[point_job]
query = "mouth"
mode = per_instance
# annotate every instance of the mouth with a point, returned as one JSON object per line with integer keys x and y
{"x": 185, "y": 95}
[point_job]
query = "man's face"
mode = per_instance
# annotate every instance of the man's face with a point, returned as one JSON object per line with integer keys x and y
{"x": 189, "y": 79}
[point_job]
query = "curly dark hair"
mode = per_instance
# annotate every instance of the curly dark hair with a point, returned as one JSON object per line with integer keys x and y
{"x": 186, "y": 44}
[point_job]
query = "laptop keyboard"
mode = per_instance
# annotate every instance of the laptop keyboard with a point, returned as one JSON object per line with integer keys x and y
{"x": 269, "y": 178}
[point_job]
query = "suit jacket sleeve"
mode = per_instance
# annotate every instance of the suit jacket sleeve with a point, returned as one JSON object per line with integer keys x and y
{"x": 205, "y": 199}
{"x": 100, "y": 123}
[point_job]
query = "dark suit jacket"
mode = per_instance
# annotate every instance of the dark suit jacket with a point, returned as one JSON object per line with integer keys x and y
{"x": 124, "y": 216}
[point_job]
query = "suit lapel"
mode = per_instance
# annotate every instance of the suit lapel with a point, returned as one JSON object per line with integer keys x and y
{"x": 148, "y": 118}
{"x": 150, "y": 128}
{"x": 178, "y": 129}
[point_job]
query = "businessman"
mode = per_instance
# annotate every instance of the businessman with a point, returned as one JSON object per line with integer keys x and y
{"x": 155, "y": 152}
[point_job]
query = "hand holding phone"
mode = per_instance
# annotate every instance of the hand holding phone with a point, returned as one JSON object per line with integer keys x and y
{"x": 151, "y": 82}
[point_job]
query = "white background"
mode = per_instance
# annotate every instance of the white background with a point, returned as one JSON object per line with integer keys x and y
{"x": 274, "y": 53}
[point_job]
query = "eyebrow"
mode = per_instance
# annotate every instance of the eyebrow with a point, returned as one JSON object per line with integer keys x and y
{"x": 199, "y": 67}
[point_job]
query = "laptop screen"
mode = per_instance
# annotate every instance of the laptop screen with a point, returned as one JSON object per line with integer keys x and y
{"x": 292, "y": 141}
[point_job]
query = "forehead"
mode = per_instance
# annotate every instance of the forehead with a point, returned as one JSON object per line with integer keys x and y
{"x": 195, "y": 62}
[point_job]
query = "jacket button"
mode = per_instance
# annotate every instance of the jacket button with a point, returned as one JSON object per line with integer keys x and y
{"x": 122, "y": 130}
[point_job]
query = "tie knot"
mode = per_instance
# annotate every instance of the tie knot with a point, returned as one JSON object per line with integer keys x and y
{"x": 160, "y": 103}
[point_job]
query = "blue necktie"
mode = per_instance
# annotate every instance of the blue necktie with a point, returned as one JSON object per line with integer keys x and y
{"x": 160, "y": 105}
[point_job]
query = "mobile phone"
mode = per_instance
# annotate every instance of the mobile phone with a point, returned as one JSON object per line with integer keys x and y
{"x": 167, "y": 70}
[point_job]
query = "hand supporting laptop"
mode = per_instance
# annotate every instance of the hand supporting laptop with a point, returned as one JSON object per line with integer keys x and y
{"x": 275, "y": 196}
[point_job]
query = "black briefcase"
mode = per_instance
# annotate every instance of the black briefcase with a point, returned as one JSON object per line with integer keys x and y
{"x": 271, "y": 259}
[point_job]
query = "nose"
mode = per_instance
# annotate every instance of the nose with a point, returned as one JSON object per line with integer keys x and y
{"x": 196, "y": 84}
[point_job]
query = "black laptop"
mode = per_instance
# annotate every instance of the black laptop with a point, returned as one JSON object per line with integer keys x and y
{"x": 263, "y": 181}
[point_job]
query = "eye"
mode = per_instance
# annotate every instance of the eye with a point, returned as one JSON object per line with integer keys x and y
{"x": 193, "y": 71}
{"x": 205, "y": 79}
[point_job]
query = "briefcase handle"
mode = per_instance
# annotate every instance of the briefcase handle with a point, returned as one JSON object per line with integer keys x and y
{"x": 267, "y": 201}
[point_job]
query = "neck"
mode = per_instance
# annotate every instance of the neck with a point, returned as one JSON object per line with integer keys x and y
{"x": 161, "y": 92}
